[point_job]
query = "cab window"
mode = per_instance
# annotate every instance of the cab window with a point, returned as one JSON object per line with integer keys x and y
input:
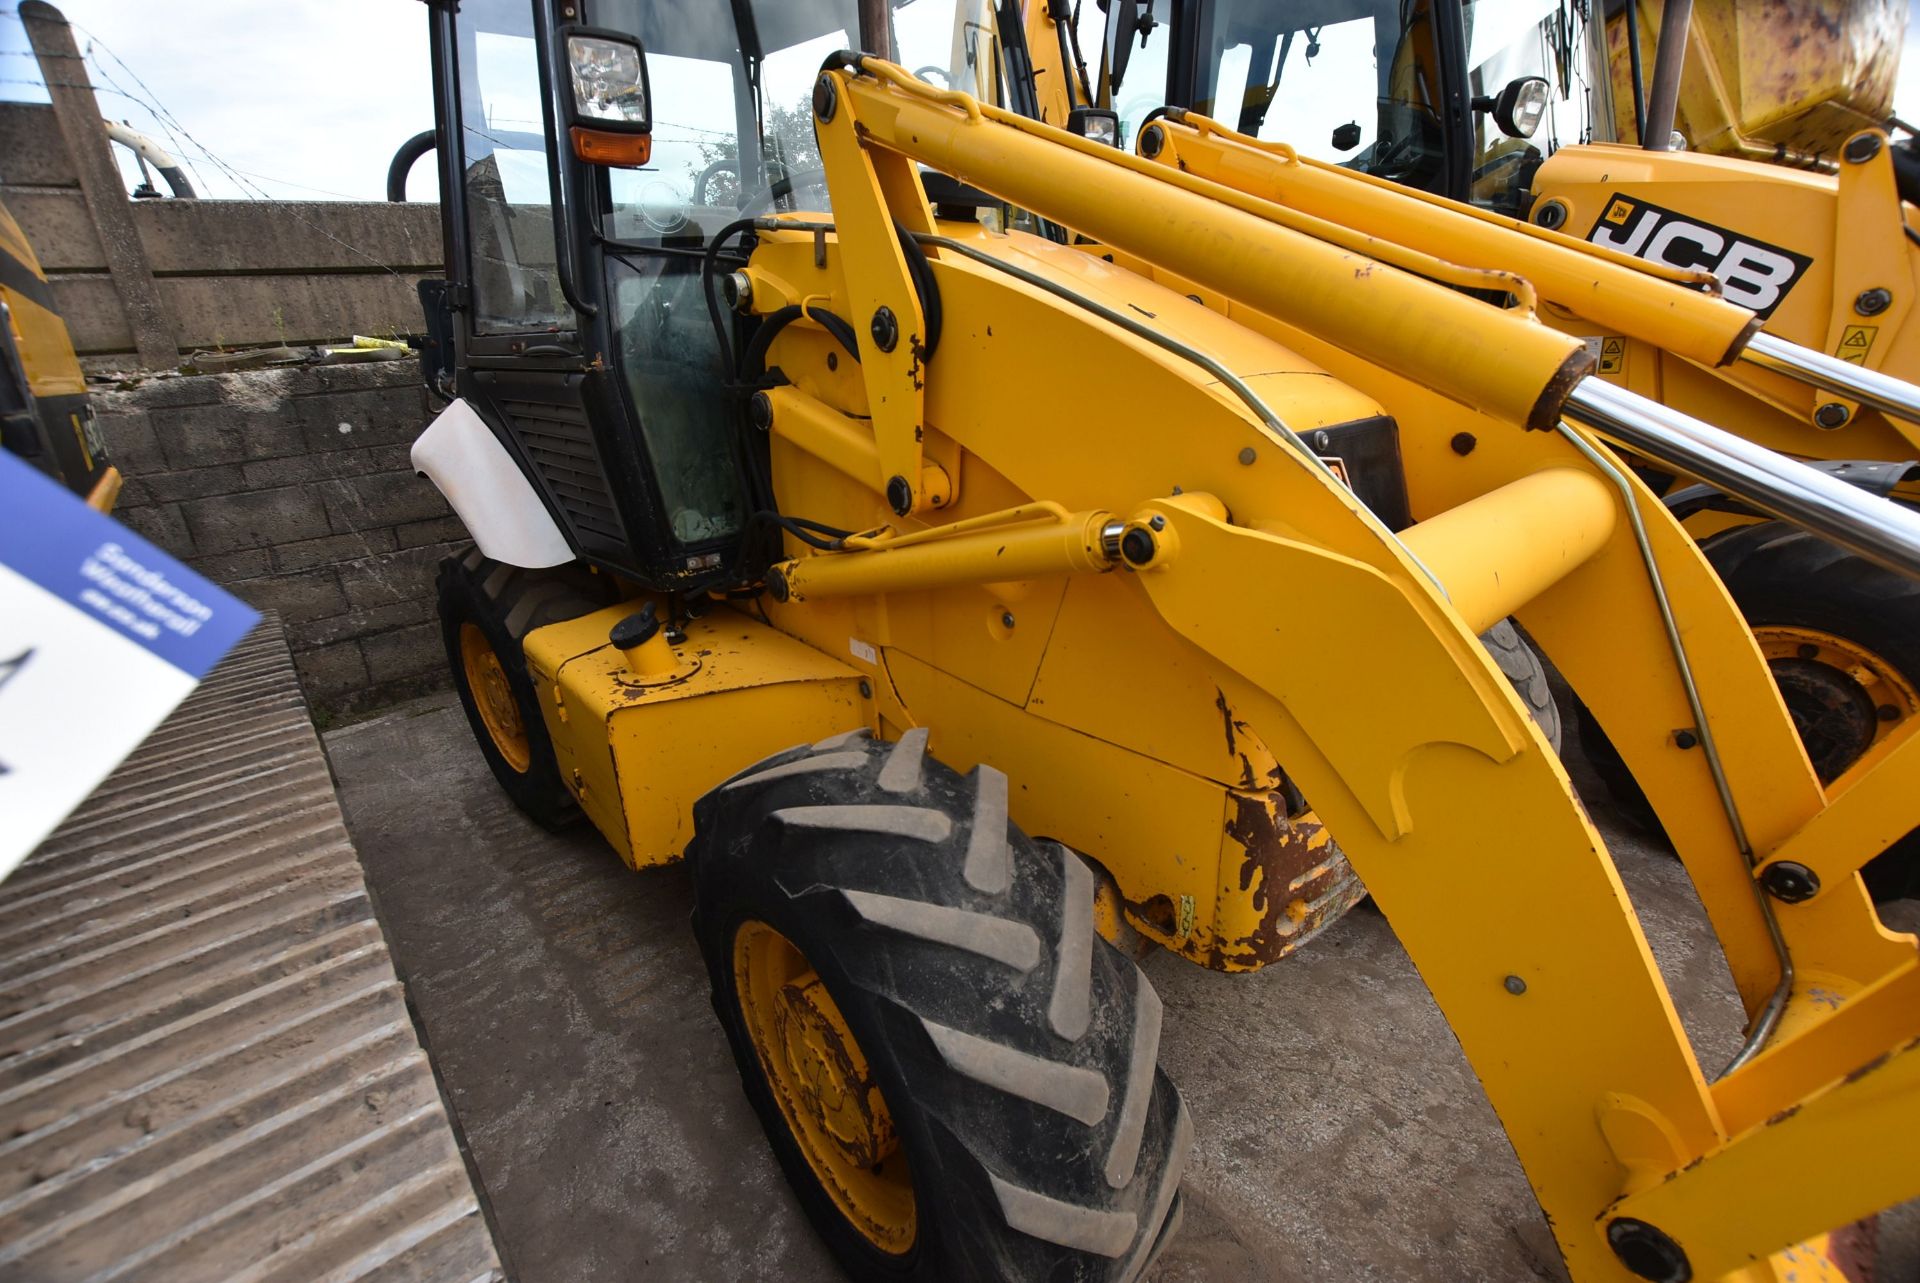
{"x": 509, "y": 202}
{"x": 1511, "y": 39}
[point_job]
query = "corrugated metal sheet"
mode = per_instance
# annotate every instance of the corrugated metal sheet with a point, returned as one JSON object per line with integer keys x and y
{"x": 207, "y": 1070}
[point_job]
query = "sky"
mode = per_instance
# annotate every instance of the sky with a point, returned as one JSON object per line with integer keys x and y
{"x": 304, "y": 99}
{"x": 298, "y": 99}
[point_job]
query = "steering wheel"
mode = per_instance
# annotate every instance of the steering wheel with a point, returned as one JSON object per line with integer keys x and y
{"x": 1388, "y": 164}
{"x": 725, "y": 165}
{"x": 1498, "y": 163}
{"x": 946, "y": 77}
{"x": 783, "y": 186}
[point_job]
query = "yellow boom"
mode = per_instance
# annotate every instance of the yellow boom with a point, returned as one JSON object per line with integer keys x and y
{"x": 1440, "y": 792}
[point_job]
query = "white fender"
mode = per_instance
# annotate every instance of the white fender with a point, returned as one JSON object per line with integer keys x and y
{"x": 500, "y": 507}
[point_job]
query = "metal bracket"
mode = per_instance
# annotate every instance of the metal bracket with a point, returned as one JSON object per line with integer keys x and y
{"x": 876, "y": 194}
{"x": 1873, "y": 292}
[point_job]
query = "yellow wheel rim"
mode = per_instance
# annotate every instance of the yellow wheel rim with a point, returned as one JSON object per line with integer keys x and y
{"x": 492, "y": 695}
{"x": 1844, "y": 698}
{"x": 824, "y": 1086}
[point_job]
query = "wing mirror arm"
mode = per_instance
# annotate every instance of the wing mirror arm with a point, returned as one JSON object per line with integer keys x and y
{"x": 1125, "y": 20}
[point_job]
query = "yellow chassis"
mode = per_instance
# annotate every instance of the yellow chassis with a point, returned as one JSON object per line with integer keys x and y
{"x": 1157, "y": 712}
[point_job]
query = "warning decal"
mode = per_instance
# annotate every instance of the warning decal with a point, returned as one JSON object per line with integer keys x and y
{"x": 1613, "y": 355}
{"x": 1855, "y": 342}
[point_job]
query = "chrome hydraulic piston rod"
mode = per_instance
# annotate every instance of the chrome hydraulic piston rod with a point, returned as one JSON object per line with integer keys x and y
{"x": 1870, "y": 388}
{"x": 1875, "y": 528}
{"x": 1633, "y": 297}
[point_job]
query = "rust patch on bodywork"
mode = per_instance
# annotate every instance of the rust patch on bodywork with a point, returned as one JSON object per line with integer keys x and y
{"x": 1156, "y": 912}
{"x": 1293, "y": 882}
{"x": 1244, "y": 746}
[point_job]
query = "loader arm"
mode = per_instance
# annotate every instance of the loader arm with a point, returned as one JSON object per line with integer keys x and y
{"x": 1439, "y": 789}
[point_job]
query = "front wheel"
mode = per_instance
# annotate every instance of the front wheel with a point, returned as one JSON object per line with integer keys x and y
{"x": 957, "y": 1075}
{"x": 1842, "y": 637}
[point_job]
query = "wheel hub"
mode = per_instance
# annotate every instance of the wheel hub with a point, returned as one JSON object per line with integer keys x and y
{"x": 1843, "y": 698}
{"x": 493, "y": 696}
{"x": 836, "y": 1088}
{"x": 824, "y": 1087}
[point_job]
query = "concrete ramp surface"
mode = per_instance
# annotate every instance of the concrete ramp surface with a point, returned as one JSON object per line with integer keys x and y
{"x": 207, "y": 1067}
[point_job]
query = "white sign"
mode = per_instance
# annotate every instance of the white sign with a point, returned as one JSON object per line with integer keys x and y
{"x": 101, "y": 635}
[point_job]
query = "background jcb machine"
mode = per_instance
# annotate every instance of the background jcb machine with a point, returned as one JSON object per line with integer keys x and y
{"x": 45, "y": 416}
{"x": 953, "y": 600}
{"x": 1493, "y": 105}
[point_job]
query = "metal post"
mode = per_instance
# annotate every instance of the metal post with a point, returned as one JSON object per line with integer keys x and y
{"x": 876, "y": 32}
{"x": 1882, "y": 532}
{"x": 1639, "y": 77}
{"x": 1669, "y": 61}
{"x": 77, "y": 113}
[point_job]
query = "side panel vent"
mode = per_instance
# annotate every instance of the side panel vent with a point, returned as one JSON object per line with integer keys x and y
{"x": 559, "y": 444}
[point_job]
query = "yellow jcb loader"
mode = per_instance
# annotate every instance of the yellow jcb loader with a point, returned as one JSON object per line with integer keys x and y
{"x": 1788, "y": 83}
{"x": 1492, "y": 106}
{"x": 45, "y": 416}
{"x": 948, "y": 597}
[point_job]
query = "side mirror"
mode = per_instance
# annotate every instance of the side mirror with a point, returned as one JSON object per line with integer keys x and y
{"x": 1346, "y": 137}
{"x": 1517, "y": 109}
{"x": 610, "y": 110}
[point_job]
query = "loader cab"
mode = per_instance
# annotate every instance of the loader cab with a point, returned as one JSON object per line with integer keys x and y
{"x": 1462, "y": 98}
{"x": 574, "y": 300}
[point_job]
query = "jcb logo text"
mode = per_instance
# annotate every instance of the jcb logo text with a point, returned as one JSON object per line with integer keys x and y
{"x": 1752, "y": 273}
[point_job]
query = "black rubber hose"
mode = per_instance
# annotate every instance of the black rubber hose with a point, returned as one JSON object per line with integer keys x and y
{"x": 753, "y": 361}
{"x": 403, "y": 161}
{"x": 838, "y": 327}
{"x": 1906, "y": 169}
{"x": 924, "y": 285}
{"x": 707, "y": 261}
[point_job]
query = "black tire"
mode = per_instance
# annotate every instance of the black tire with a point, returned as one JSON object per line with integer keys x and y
{"x": 1629, "y": 799}
{"x": 506, "y": 603}
{"x": 1521, "y": 663}
{"x": 1783, "y": 576}
{"x": 963, "y": 959}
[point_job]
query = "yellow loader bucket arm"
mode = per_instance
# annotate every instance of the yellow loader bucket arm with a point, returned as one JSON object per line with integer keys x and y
{"x": 1442, "y": 793}
{"x": 1599, "y": 284}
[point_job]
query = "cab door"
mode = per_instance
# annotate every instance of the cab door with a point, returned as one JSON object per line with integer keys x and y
{"x": 538, "y": 335}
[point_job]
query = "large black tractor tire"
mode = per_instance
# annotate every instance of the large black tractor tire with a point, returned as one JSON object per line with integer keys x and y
{"x": 486, "y": 609}
{"x": 1629, "y": 799}
{"x": 1528, "y": 676}
{"x": 1782, "y": 577}
{"x": 1785, "y": 578}
{"x": 1013, "y": 1049}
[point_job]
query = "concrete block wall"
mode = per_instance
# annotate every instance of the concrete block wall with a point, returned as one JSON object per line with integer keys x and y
{"x": 223, "y": 273}
{"x": 292, "y": 489}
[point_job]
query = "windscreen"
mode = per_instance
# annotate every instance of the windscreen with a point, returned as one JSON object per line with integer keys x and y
{"x": 1361, "y": 83}
{"x": 733, "y": 122}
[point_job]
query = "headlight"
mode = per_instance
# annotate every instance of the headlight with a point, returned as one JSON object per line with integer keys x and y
{"x": 1519, "y": 107}
{"x": 609, "y": 80}
{"x": 1529, "y": 107}
{"x": 1093, "y": 123}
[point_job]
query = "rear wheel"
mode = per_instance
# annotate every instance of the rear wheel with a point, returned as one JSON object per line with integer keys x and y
{"x": 956, "y": 1074}
{"x": 486, "y": 609}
